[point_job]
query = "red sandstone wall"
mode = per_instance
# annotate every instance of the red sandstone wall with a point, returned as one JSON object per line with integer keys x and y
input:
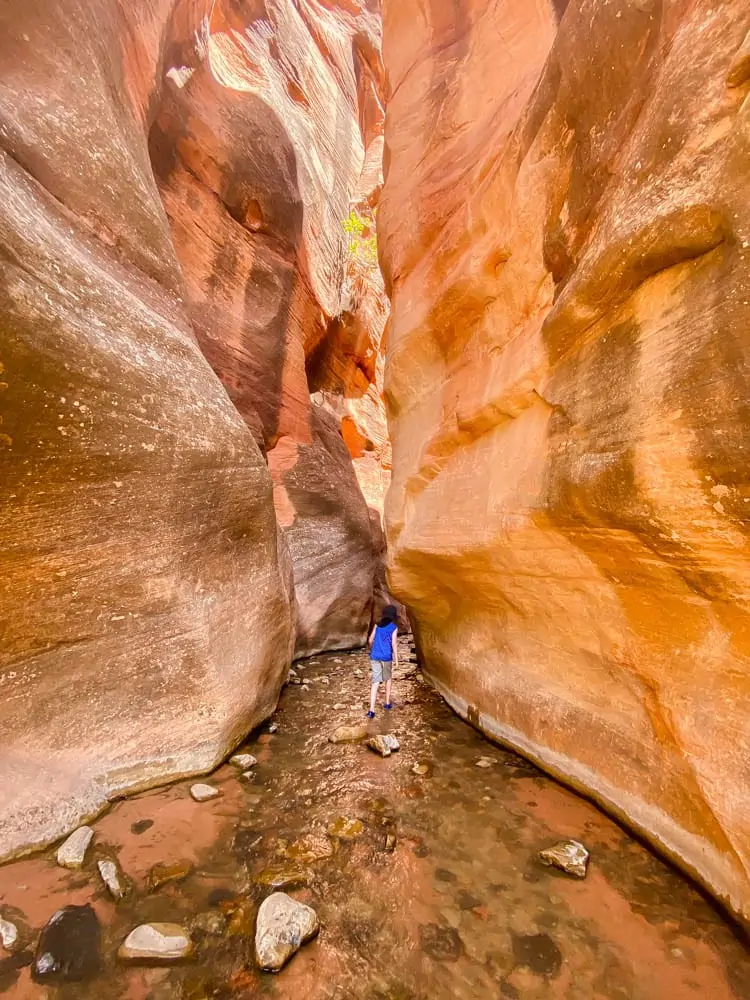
{"x": 146, "y": 593}
{"x": 565, "y": 225}
{"x": 269, "y": 130}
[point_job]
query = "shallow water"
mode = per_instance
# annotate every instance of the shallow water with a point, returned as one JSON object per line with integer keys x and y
{"x": 439, "y": 896}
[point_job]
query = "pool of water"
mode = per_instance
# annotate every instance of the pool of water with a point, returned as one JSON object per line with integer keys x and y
{"x": 438, "y": 894}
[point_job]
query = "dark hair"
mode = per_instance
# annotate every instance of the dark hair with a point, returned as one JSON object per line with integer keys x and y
{"x": 389, "y": 615}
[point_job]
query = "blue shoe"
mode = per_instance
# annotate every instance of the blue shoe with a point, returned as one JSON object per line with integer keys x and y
{"x": 389, "y": 706}
{"x": 371, "y": 715}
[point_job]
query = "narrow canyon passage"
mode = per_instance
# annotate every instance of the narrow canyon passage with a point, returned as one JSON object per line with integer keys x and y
{"x": 311, "y": 306}
{"x": 421, "y": 866}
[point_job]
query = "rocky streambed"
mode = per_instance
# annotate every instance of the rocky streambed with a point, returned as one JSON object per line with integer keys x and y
{"x": 421, "y": 874}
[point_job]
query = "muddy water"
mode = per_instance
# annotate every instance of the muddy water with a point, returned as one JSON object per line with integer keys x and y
{"x": 439, "y": 896}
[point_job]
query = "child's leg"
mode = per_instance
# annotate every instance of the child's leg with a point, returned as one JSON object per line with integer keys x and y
{"x": 373, "y": 695}
{"x": 388, "y": 691}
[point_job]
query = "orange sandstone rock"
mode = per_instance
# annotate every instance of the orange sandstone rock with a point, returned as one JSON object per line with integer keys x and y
{"x": 268, "y": 133}
{"x": 565, "y": 227}
{"x": 147, "y": 596}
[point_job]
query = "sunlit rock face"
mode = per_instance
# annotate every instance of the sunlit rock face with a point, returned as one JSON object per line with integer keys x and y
{"x": 147, "y": 596}
{"x": 268, "y": 134}
{"x": 565, "y": 224}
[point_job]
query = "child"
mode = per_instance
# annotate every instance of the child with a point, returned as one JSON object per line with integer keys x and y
{"x": 383, "y": 654}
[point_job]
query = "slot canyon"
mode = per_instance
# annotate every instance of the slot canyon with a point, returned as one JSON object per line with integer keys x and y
{"x": 311, "y": 308}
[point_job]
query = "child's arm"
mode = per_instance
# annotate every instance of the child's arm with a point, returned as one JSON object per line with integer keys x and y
{"x": 371, "y": 640}
{"x": 394, "y": 646}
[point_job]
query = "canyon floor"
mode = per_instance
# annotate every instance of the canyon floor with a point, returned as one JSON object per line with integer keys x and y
{"x": 438, "y": 893}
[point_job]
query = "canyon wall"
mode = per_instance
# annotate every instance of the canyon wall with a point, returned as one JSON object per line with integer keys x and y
{"x": 565, "y": 229}
{"x": 268, "y": 133}
{"x": 148, "y": 597}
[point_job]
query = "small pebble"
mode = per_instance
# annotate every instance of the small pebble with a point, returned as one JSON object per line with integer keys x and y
{"x": 384, "y": 745}
{"x": 72, "y": 853}
{"x": 202, "y": 793}
{"x": 243, "y": 761}
{"x": 110, "y": 877}
{"x": 8, "y": 934}
{"x": 155, "y": 943}
{"x": 570, "y": 856}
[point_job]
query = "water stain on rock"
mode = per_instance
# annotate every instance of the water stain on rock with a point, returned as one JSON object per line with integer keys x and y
{"x": 69, "y": 948}
{"x": 538, "y": 953}
{"x": 441, "y": 943}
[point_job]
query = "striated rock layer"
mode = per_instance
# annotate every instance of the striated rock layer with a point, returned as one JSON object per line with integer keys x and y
{"x": 565, "y": 226}
{"x": 147, "y": 595}
{"x": 268, "y": 132}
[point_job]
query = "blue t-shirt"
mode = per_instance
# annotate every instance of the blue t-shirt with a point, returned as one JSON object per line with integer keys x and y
{"x": 381, "y": 645}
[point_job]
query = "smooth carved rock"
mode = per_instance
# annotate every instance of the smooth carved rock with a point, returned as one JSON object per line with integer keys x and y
{"x": 567, "y": 356}
{"x": 385, "y": 745}
{"x": 140, "y": 497}
{"x": 283, "y": 926}
{"x": 257, "y": 187}
{"x": 69, "y": 946}
{"x": 156, "y": 944}
{"x": 569, "y": 856}
{"x": 72, "y": 853}
{"x": 202, "y": 793}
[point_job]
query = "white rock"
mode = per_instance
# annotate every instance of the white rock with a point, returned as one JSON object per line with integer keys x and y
{"x": 338, "y": 707}
{"x": 71, "y": 854}
{"x": 304, "y": 688}
{"x": 283, "y": 927}
{"x": 243, "y": 761}
{"x": 111, "y": 878}
{"x": 156, "y": 943}
{"x": 273, "y": 728}
{"x": 324, "y": 680}
{"x": 570, "y": 856}
{"x": 484, "y": 762}
{"x": 8, "y": 934}
{"x": 202, "y": 793}
{"x": 384, "y": 745}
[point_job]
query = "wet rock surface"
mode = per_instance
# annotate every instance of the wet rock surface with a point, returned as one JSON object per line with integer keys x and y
{"x": 111, "y": 876}
{"x": 202, "y": 793}
{"x": 284, "y": 925}
{"x": 440, "y": 894}
{"x": 69, "y": 947}
{"x": 72, "y": 851}
{"x": 566, "y": 351}
{"x": 155, "y": 943}
{"x": 569, "y": 856}
{"x": 384, "y": 744}
{"x": 8, "y": 934}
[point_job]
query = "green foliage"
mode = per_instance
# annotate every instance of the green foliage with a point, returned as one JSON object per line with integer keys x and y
{"x": 363, "y": 243}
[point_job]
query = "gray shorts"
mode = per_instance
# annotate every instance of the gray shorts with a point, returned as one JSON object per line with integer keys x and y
{"x": 382, "y": 670}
